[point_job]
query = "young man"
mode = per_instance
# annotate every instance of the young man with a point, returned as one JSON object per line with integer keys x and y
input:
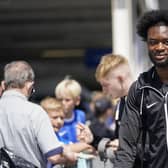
{"x": 147, "y": 106}
{"x": 25, "y": 128}
{"x": 114, "y": 75}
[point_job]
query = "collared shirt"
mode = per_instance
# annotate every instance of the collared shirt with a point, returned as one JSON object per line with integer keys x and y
{"x": 25, "y": 129}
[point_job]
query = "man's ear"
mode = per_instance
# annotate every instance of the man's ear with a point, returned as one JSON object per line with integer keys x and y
{"x": 122, "y": 81}
{"x": 120, "y": 78}
{"x": 3, "y": 85}
{"x": 77, "y": 101}
{"x": 29, "y": 85}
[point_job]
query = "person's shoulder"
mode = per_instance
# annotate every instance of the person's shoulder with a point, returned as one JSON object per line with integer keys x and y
{"x": 79, "y": 112}
{"x": 35, "y": 107}
{"x": 95, "y": 123}
{"x": 146, "y": 76}
{"x": 80, "y": 115}
{"x": 134, "y": 86}
{"x": 142, "y": 79}
{"x": 134, "y": 92}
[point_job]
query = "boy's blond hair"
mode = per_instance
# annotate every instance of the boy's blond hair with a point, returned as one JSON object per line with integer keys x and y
{"x": 51, "y": 103}
{"x": 69, "y": 87}
{"x": 107, "y": 63}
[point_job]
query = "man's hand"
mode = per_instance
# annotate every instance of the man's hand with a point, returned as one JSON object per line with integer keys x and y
{"x": 84, "y": 134}
{"x": 70, "y": 156}
{"x": 67, "y": 157}
{"x": 114, "y": 144}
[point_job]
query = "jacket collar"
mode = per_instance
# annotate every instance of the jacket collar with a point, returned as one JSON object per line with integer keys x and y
{"x": 150, "y": 78}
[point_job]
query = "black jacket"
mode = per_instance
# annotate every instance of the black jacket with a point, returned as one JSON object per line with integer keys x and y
{"x": 145, "y": 109}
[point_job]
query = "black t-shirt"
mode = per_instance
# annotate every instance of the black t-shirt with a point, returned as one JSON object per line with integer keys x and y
{"x": 121, "y": 109}
{"x": 100, "y": 130}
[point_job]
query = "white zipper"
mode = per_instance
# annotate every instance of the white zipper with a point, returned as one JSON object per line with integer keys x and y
{"x": 166, "y": 116}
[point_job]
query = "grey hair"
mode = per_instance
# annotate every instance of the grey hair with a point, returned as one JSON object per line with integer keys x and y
{"x": 16, "y": 73}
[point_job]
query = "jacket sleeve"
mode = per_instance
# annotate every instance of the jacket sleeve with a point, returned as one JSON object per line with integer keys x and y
{"x": 129, "y": 131}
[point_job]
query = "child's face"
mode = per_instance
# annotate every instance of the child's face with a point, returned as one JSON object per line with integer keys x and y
{"x": 69, "y": 103}
{"x": 57, "y": 119}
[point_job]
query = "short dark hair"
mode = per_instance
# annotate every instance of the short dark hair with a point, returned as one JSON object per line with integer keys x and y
{"x": 102, "y": 105}
{"x": 149, "y": 19}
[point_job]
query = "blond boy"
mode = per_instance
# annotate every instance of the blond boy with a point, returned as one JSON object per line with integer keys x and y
{"x": 69, "y": 91}
{"x": 55, "y": 111}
